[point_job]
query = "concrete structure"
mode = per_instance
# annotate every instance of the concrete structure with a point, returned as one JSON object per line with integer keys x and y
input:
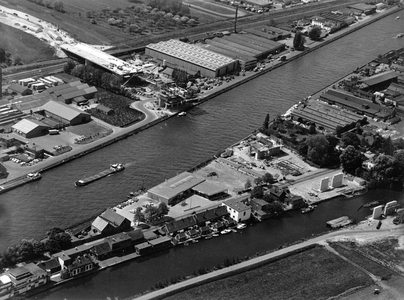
{"x": 390, "y": 207}
{"x": 238, "y": 209}
{"x": 364, "y": 8}
{"x": 336, "y": 180}
{"x": 30, "y": 128}
{"x": 65, "y": 114}
{"x": 176, "y": 187}
{"x": 377, "y": 212}
{"x": 91, "y": 56}
{"x": 324, "y": 184}
{"x": 210, "y": 190}
{"x": 192, "y": 58}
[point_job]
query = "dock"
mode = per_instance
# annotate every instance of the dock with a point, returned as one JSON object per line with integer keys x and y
{"x": 340, "y": 222}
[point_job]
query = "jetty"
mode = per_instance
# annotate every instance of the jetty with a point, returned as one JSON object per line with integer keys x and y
{"x": 340, "y": 222}
{"x": 113, "y": 169}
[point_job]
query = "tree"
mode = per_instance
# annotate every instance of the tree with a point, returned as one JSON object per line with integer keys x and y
{"x": 3, "y": 56}
{"x": 317, "y": 148}
{"x": 351, "y": 159}
{"x": 58, "y": 6}
{"x": 257, "y": 192}
{"x": 312, "y": 129}
{"x": 298, "y": 41}
{"x": 151, "y": 213}
{"x": 69, "y": 66}
{"x": 266, "y": 121}
{"x": 258, "y": 181}
{"x": 16, "y": 59}
{"x": 248, "y": 184}
{"x": 163, "y": 209}
{"x": 315, "y": 33}
{"x": 275, "y": 208}
{"x": 268, "y": 178}
{"x": 139, "y": 216}
{"x": 350, "y": 139}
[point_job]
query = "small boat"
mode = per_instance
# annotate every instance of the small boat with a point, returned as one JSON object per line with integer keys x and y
{"x": 209, "y": 236}
{"x": 183, "y": 113}
{"x": 233, "y": 230}
{"x": 307, "y": 209}
{"x": 398, "y": 17}
{"x": 400, "y": 35}
{"x": 34, "y": 176}
{"x": 195, "y": 241}
{"x": 215, "y": 234}
{"x": 241, "y": 226}
{"x": 225, "y": 231}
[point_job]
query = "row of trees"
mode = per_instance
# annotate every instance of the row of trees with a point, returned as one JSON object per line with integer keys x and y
{"x": 172, "y": 6}
{"x": 28, "y": 250}
{"x": 6, "y": 59}
{"x": 57, "y": 5}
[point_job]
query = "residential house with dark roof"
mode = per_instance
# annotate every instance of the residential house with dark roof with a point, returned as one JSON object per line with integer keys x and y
{"x": 51, "y": 266}
{"x": 81, "y": 264}
{"x": 258, "y": 209}
{"x": 110, "y": 222}
{"x": 102, "y": 251}
{"x": 211, "y": 215}
{"x": 180, "y": 224}
{"x": 153, "y": 246}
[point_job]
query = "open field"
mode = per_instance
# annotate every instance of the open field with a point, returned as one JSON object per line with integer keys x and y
{"x": 71, "y": 21}
{"x": 312, "y": 274}
{"x": 350, "y": 252}
{"x": 28, "y": 47}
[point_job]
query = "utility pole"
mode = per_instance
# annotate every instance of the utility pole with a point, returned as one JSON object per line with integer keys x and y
{"x": 235, "y": 20}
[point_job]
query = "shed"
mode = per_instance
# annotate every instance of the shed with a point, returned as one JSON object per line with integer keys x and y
{"x": 19, "y": 89}
{"x": 66, "y": 114}
{"x": 30, "y": 128}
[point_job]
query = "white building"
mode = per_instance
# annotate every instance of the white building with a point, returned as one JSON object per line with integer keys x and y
{"x": 238, "y": 209}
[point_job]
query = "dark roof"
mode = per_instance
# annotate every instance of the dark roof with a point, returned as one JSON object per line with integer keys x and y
{"x": 17, "y": 88}
{"x": 101, "y": 249}
{"x": 211, "y": 214}
{"x": 113, "y": 218}
{"x": 208, "y": 188}
{"x": 180, "y": 224}
{"x": 238, "y": 203}
{"x": 50, "y": 264}
{"x": 80, "y": 261}
{"x": 136, "y": 234}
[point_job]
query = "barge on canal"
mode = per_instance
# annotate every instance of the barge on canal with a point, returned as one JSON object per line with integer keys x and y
{"x": 113, "y": 169}
{"x": 340, "y": 222}
{"x": 19, "y": 182}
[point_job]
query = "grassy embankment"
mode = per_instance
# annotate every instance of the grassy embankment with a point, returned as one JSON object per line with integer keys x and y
{"x": 28, "y": 47}
{"x": 313, "y": 274}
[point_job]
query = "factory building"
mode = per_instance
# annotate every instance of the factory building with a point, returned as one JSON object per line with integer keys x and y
{"x": 192, "y": 58}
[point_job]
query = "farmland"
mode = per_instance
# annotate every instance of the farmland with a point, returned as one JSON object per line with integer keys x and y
{"x": 313, "y": 274}
{"x": 28, "y": 47}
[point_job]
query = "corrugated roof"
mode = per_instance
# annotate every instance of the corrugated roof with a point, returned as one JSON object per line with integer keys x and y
{"x": 379, "y": 78}
{"x": 62, "y": 110}
{"x": 112, "y": 217}
{"x": 99, "y": 223}
{"x": 27, "y": 125}
{"x": 176, "y": 185}
{"x": 208, "y": 188}
{"x": 17, "y": 88}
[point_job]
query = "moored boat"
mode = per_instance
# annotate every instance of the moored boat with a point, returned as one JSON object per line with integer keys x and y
{"x": 34, "y": 176}
{"x": 183, "y": 113}
{"x": 308, "y": 209}
{"x": 225, "y": 231}
{"x": 114, "y": 168}
{"x": 241, "y": 225}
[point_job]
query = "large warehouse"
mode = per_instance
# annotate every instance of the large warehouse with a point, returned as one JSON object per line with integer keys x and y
{"x": 30, "y": 128}
{"x": 65, "y": 114}
{"x": 192, "y": 58}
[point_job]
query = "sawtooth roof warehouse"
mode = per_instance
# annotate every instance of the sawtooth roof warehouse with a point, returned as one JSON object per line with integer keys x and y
{"x": 192, "y": 58}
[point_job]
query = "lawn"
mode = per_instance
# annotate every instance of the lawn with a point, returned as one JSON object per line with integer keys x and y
{"x": 313, "y": 274}
{"x": 351, "y": 252}
{"x": 28, "y": 47}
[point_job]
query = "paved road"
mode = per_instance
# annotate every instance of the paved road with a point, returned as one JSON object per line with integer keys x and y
{"x": 160, "y": 294}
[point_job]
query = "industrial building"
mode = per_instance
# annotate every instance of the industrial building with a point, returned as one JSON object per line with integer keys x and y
{"x": 30, "y": 128}
{"x": 73, "y": 92}
{"x": 88, "y": 55}
{"x": 174, "y": 188}
{"x": 65, "y": 114}
{"x": 15, "y": 88}
{"x": 192, "y": 58}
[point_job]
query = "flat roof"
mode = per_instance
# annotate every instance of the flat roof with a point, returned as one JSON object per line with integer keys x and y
{"x": 208, "y": 188}
{"x": 193, "y": 54}
{"x": 178, "y": 184}
{"x": 101, "y": 58}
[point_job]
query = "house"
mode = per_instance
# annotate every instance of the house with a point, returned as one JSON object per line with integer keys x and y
{"x": 66, "y": 257}
{"x": 295, "y": 201}
{"x": 15, "y": 88}
{"x": 105, "y": 109}
{"x": 180, "y": 224}
{"x": 110, "y": 222}
{"x": 277, "y": 193}
{"x": 25, "y": 278}
{"x": 6, "y": 287}
{"x": 258, "y": 209}
{"x": 101, "y": 251}
{"x": 238, "y": 208}
{"x": 51, "y": 266}
{"x": 211, "y": 215}
{"x": 82, "y": 264}
{"x": 159, "y": 244}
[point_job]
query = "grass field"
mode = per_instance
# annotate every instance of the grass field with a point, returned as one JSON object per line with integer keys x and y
{"x": 313, "y": 274}
{"x": 28, "y": 47}
{"x": 350, "y": 252}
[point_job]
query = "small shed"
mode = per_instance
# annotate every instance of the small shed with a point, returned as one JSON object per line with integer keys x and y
{"x": 105, "y": 109}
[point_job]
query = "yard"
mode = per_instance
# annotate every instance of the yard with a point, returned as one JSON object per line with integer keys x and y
{"x": 313, "y": 274}
{"x": 26, "y": 46}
